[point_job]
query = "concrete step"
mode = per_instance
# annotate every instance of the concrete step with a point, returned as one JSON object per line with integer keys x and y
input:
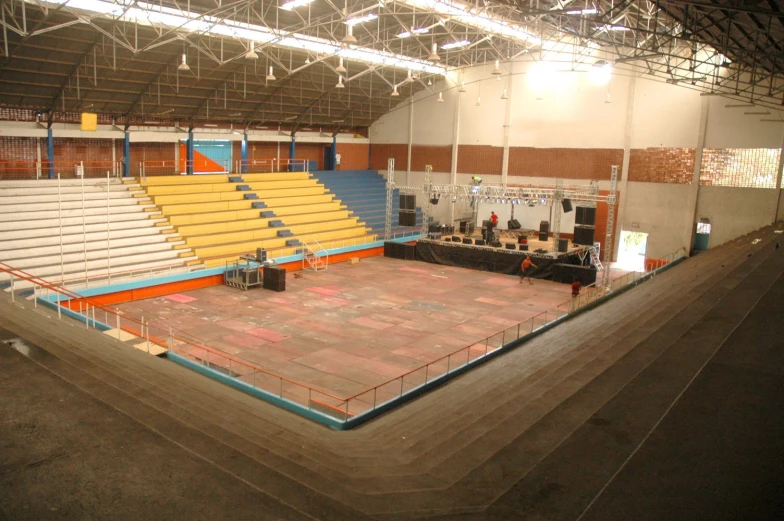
{"x": 92, "y": 205}
{"x": 120, "y": 223}
{"x": 72, "y": 216}
{"x": 75, "y": 244}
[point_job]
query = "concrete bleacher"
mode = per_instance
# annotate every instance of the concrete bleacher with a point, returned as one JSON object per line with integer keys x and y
{"x": 364, "y": 193}
{"x": 223, "y": 216}
{"x": 62, "y": 234}
{"x": 541, "y": 431}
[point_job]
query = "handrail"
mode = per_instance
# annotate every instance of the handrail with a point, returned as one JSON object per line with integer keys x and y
{"x": 121, "y": 273}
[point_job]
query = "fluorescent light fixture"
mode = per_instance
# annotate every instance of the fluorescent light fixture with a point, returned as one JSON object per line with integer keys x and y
{"x": 361, "y": 19}
{"x": 455, "y": 45}
{"x": 468, "y": 14}
{"x": 616, "y": 28}
{"x": 149, "y": 14}
{"x": 583, "y": 11}
{"x": 407, "y": 34}
{"x": 293, "y": 4}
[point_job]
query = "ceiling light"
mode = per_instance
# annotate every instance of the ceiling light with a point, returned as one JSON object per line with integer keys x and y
{"x": 340, "y": 68}
{"x": 479, "y": 101}
{"x": 455, "y": 45}
{"x": 340, "y": 83}
{"x": 251, "y": 54}
{"x": 497, "y": 70}
{"x": 429, "y": 82}
{"x": 607, "y": 98}
{"x": 409, "y": 78}
{"x": 293, "y": 4}
{"x": 349, "y": 38}
{"x": 395, "y": 93}
{"x": 461, "y": 88}
{"x": 504, "y": 95}
{"x": 583, "y": 11}
{"x": 616, "y": 28}
{"x": 434, "y": 57}
{"x": 184, "y": 65}
{"x": 307, "y": 60}
{"x": 440, "y": 97}
{"x": 600, "y": 73}
{"x": 361, "y": 19}
{"x": 408, "y": 34}
{"x": 270, "y": 76}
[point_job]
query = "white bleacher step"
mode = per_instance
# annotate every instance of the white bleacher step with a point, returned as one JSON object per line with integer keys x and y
{"x": 38, "y": 184}
{"x": 50, "y": 255}
{"x": 49, "y": 227}
{"x": 12, "y": 250}
{"x": 28, "y": 213}
{"x": 117, "y": 238}
{"x": 89, "y": 204}
{"x": 74, "y": 274}
{"x": 7, "y": 199}
{"x": 50, "y": 266}
{"x": 162, "y": 270}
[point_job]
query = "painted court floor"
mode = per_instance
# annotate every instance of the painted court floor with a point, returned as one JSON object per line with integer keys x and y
{"x": 353, "y": 327}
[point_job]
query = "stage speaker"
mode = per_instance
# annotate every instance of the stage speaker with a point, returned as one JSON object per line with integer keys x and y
{"x": 510, "y": 246}
{"x": 434, "y": 228}
{"x": 407, "y": 202}
{"x": 446, "y": 238}
{"x": 543, "y": 236}
{"x": 514, "y": 224}
{"x": 522, "y": 240}
{"x": 586, "y": 215}
{"x": 274, "y": 279}
{"x": 497, "y": 244}
{"x": 407, "y": 218}
{"x": 400, "y": 250}
{"x": 480, "y": 242}
{"x": 409, "y": 251}
{"x": 523, "y": 247}
{"x": 388, "y": 249}
{"x": 567, "y": 205}
{"x": 544, "y": 227}
{"x": 455, "y": 238}
{"x": 261, "y": 254}
{"x": 563, "y": 245}
{"x": 583, "y": 235}
{"x": 466, "y": 240}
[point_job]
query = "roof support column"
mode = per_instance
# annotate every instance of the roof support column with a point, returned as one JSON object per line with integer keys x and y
{"x": 777, "y": 216}
{"x": 455, "y": 137}
{"x": 410, "y": 137}
{"x": 623, "y": 193}
{"x": 127, "y": 153}
{"x": 244, "y": 154}
{"x": 50, "y": 151}
{"x": 189, "y": 153}
{"x": 695, "y": 180}
{"x": 507, "y": 127}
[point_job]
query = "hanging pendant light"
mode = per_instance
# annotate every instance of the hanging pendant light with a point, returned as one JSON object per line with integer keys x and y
{"x": 340, "y": 68}
{"x": 434, "y": 57}
{"x": 395, "y": 93}
{"x": 184, "y": 65}
{"x": 504, "y": 95}
{"x": 479, "y": 101}
{"x": 409, "y": 78}
{"x": 251, "y": 54}
{"x": 440, "y": 97}
{"x": 349, "y": 38}
{"x": 462, "y": 86}
{"x": 270, "y": 76}
{"x": 497, "y": 70}
{"x": 340, "y": 83}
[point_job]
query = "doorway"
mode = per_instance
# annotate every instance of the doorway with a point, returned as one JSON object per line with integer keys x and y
{"x": 631, "y": 252}
{"x": 702, "y": 236}
{"x": 328, "y": 157}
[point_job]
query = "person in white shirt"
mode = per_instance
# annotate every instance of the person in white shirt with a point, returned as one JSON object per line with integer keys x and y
{"x": 337, "y": 161}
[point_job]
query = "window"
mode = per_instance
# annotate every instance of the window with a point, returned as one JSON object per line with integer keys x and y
{"x": 740, "y": 167}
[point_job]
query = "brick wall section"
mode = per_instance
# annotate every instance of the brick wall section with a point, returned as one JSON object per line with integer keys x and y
{"x": 353, "y": 156}
{"x": 439, "y": 157}
{"x": 479, "y": 159}
{"x": 381, "y": 152}
{"x": 307, "y": 151}
{"x": 18, "y": 156}
{"x": 564, "y": 163}
{"x": 662, "y": 165}
{"x": 158, "y": 158}
{"x": 95, "y": 153}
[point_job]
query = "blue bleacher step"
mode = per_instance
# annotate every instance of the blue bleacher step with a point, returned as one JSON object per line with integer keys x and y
{"x": 250, "y": 196}
{"x": 243, "y": 188}
{"x": 275, "y": 224}
{"x": 285, "y": 233}
{"x": 235, "y": 179}
{"x": 260, "y": 204}
{"x": 267, "y": 214}
{"x": 293, "y": 242}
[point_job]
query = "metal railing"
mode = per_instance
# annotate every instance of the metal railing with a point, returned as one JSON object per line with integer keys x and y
{"x": 274, "y": 164}
{"x": 22, "y": 170}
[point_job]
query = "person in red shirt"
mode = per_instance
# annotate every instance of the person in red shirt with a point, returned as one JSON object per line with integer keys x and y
{"x": 493, "y": 224}
{"x": 527, "y": 264}
{"x": 576, "y": 286}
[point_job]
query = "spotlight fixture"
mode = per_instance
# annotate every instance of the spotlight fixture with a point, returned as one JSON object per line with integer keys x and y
{"x": 251, "y": 54}
{"x": 434, "y": 57}
{"x": 409, "y": 78}
{"x": 340, "y": 83}
{"x": 270, "y": 76}
{"x": 184, "y": 65}
{"x": 395, "y": 93}
{"x": 340, "y": 68}
{"x": 440, "y": 97}
{"x": 349, "y": 38}
{"x": 497, "y": 70}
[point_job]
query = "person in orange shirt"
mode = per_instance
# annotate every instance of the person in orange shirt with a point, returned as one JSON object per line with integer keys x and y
{"x": 527, "y": 264}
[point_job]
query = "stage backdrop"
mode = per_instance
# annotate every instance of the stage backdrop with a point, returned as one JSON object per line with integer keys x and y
{"x": 496, "y": 259}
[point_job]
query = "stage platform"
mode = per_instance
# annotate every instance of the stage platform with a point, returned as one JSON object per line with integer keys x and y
{"x": 352, "y": 327}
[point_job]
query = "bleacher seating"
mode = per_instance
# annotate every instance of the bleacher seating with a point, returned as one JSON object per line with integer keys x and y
{"x": 61, "y": 233}
{"x": 364, "y": 193}
{"x": 222, "y": 216}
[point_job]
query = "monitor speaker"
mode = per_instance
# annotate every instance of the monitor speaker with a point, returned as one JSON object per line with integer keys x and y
{"x": 543, "y": 236}
{"x": 510, "y": 246}
{"x": 480, "y": 242}
{"x": 514, "y": 224}
{"x": 523, "y": 247}
{"x": 455, "y": 238}
{"x": 407, "y": 202}
{"x": 567, "y": 205}
{"x": 544, "y": 227}
{"x": 274, "y": 279}
{"x": 466, "y": 240}
{"x": 497, "y": 244}
{"x": 261, "y": 254}
{"x": 563, "y": 245}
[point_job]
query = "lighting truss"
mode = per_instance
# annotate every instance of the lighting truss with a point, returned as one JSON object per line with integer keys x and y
{"x": 508, "y": 194}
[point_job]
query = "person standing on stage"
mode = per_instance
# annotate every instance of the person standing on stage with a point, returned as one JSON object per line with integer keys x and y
{"x": 493, "y": 225}
{"x": 576, "y": 286}
{"x": 527, "y": 264}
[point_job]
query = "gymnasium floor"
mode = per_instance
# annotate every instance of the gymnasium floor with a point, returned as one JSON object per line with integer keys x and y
{"x": 352, "y": 327}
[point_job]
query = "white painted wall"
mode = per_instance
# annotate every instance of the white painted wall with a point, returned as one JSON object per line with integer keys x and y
{"x": 664, "y": 115}
{"x": 735, "y": 211}
{"x": 733, "y": 127}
